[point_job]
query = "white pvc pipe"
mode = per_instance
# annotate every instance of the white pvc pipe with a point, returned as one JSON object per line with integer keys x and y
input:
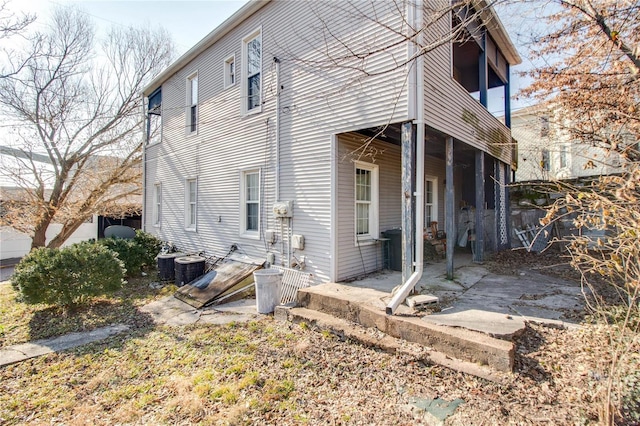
{"x": 413, "y": 279}
{"x": 277, "y": 171}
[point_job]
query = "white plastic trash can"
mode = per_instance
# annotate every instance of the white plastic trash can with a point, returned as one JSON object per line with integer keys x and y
{"x": 268, "y": 285}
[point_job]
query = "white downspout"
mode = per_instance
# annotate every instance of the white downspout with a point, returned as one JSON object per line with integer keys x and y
{"x": 413, "y": 279}
{"x": 145, "y": 138}
{"x": 277, "y": 171}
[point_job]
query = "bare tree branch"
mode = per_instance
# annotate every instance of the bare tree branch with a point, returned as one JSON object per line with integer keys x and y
{"x": 78, "y": 103}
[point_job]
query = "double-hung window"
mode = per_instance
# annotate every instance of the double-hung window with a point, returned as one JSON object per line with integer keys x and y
{"x": 157, "y": 204}
{"x": 430, "y": 200}
{"x": 192, "y": 102}
{"x": 229, "y": 71}
{"x": 366, "y": 201}
{"x": 191, "y": 204}
{"x": 252, "y": 53}
{"x": 250, "y": 203}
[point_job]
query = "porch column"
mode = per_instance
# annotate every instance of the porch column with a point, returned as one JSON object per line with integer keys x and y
{"x": 408, "y": 154}
{"x": 478, "y": 255}
{"x": 449, "y": 220}
{"x": 482, "y": 71}
{"x": 507, "y": 100}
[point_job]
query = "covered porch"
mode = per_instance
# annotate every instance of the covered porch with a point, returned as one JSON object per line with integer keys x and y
{"x": 442, "y": 189}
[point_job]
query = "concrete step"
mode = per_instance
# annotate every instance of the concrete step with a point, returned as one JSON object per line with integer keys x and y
{"x": 366, "y": 307}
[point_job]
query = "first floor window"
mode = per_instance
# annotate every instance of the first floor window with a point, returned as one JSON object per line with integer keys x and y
{"x": 544, "y": 161}
{"x": 157, "y": 199}
{"x": 191, "y": 203}
{"x": 366, "y": 201}
{"x": 430, "y": 201}
{"x": 250, "y": 194}
{"x": 563, "y": 156}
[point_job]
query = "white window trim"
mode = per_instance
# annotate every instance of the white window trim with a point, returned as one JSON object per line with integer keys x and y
{"x": 244, "y": 233}
{"x": 189, "y": 104}
{"x": 157, "y": 204}
{"x": 374, "y": 209}
{"x": 227, "y": 74}
{"x": 244, "y": 73}
{"x": 187, "y": 202}
{"x": 434, "y": 203}
{"x": 148, "y": 144}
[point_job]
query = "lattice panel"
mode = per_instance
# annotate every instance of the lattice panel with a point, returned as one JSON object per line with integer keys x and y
{"x": 503, "y": 234}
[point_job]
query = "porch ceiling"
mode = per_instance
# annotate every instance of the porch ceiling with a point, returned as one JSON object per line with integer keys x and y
{"x": 434, "y": 142}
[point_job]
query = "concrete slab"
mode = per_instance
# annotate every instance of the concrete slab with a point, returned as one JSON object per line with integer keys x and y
{"x": 243, "y": 306}
{"x": 367, "y": 308}
{"x": 17, "y": 353}
{"x": 468, "y": 276}
{"x": 174, "y": 312}
{"x": 495, "y": 324}
{"x": 162, "y": 311}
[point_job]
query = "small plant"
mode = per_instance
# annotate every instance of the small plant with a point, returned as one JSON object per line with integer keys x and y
{"x": 151, "y": 247}
{"x": 128, "y": 251}
{"x": 68, "y": 276}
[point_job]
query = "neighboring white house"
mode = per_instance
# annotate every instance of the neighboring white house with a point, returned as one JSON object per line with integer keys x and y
{"x": 546, "y": 151}
{"x": 268, "y": 135}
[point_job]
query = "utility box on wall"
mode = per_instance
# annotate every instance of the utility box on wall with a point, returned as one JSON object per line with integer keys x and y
{"x": 297, "y": 242}
{"x": 283, "y": 209}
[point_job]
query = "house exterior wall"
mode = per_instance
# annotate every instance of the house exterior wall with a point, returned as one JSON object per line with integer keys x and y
{"x": 358, "y": 259}
{"x": 315, "y": 104}
{"x": 580, "y": 160}
{"x": 448, "y": 106}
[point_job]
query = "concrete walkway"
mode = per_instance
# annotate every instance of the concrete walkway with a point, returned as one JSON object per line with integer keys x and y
{"x": 166, "y": 311}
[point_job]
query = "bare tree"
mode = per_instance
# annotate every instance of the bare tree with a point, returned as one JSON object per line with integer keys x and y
{"x": 589, "y": 68}
{"x": 10, "y": 23}
{"x": 74, "y": 109}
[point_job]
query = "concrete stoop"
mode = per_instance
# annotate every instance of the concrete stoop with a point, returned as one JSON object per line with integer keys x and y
{"x": 366, "y": 307}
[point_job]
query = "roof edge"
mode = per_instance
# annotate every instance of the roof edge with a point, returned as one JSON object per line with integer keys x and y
{"x": 217, "y": 33}
{"x": 499, "y": 33}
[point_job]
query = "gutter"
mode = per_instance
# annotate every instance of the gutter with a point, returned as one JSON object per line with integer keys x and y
{"x": 413, "y": 279}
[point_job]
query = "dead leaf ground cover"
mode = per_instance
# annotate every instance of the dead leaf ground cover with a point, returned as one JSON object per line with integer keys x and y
{"x": 266, "y": 372}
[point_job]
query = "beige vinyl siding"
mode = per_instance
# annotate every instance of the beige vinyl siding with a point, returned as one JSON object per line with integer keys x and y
{"x": 450, "y": 109}
{"x": 315, "y": 104}
{"x": 350, "y": 256}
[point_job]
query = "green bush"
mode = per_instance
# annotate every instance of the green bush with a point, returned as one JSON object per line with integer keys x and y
{"x": 128, "y": 251}
{"x": 68, "y": 276}
{"x": 151, "y": 246}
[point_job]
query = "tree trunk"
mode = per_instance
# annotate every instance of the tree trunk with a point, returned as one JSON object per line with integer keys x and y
{"x": 66, "y": 231}
{"x": 40, "y": 234}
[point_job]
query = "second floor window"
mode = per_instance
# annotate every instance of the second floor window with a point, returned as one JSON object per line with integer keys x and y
{"x": 192, "y": 101}
{"x": 253, "y": 71}
{"x": 229, "y": 71}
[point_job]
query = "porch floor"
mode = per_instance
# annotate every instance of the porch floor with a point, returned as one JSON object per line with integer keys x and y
{"x": 476, "y": 299}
